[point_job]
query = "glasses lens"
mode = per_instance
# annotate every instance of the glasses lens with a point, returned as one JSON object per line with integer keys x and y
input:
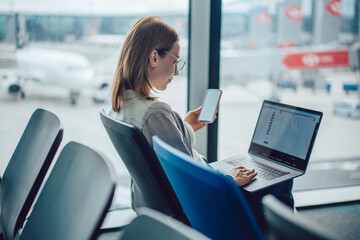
{"x": 180, "y": 65}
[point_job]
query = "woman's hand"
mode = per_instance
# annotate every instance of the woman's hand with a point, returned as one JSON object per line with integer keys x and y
{"x": 241, "y": 175}
{"x": 192, "y": 118}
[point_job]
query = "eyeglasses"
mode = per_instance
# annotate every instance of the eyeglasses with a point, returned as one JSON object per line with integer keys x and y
{"x": 180, "y": 63}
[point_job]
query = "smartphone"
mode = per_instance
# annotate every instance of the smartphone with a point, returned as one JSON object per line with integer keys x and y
{"x": 209, "y": 105}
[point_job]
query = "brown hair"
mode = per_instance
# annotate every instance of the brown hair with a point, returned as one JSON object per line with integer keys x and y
{"x": 146, "y": 35}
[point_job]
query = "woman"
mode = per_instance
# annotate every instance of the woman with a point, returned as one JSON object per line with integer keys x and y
{"x": 149, "y": 59}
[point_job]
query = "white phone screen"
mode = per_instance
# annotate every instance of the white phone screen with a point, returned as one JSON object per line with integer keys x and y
{"x": 210, "y": 103}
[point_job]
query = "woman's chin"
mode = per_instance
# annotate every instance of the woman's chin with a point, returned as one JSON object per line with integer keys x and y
{"x": 159, "y": 89}
{"x": 163, "y": 88}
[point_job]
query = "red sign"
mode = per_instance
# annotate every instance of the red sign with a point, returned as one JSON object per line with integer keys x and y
{"x": 294, "y": 13}
{"x": 263, "y": 18}
{"x": 334, "y": 7}
{"x": 311, "y": 60}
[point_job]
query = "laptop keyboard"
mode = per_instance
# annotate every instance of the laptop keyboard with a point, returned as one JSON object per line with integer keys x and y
{"x": 263, "y": 171}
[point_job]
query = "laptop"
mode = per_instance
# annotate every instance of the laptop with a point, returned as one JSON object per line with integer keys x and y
{"x": 281, "y": 145}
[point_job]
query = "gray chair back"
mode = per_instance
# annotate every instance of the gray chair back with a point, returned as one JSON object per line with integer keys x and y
{"x": 283, "y": 224}
{"x": 151, "y": 224}
{"x": 151, "y": 187}
{"x": 75, "y": 198}
{"x": 27, "y": 168}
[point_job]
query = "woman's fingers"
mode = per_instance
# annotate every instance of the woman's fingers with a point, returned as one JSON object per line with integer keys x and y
{"x": 240, "y": 167}
{"x": 243, "y": 169}
{"x": 248, "y": 172}
{"x": 198, "y": 110}
{"x": 252, "y": 175}
{"x": 241, "y": 175}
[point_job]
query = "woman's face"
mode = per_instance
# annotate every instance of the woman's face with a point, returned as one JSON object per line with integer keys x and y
{"x": 161, "y": 70}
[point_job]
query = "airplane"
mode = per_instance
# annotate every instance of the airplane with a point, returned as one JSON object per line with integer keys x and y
{"x": 46, "y": 67}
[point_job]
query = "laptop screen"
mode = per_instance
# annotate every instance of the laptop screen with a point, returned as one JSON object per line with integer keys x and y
{"x": 285, "y": 134}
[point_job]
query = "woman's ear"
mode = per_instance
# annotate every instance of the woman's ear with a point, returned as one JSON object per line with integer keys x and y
{"x": 153, "y": 58}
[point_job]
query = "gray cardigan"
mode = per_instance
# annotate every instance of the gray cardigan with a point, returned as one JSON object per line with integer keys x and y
{"x": 157, "y": 118}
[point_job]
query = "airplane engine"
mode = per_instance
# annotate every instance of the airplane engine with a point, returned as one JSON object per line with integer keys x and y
{"x": 13, "y": 88}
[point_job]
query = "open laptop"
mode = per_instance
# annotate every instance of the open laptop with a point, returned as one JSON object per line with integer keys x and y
{"x": 281, "y": 145}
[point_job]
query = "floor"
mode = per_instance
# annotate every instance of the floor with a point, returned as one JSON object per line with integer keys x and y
{"x": 342, "y": 221}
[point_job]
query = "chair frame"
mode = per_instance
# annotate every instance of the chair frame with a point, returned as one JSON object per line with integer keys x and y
{"x": 151, "y": 186}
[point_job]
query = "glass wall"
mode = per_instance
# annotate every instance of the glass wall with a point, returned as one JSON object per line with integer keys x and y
{"x": 298, "y": 52}
{"x": 62, "y": 55}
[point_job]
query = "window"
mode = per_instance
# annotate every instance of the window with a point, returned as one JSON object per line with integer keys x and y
{"x": 296, "y": 52}
{"x": 62, "y": 55}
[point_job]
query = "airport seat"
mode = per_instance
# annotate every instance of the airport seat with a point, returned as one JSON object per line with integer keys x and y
{"x": 284, "y": 225}
{"x": 150, "y": 186}
{"x": 151, "y": 224}
{"x": 75, "y": 197}
{"x": 27, "y": 168}
{"x": 213, "y": 203}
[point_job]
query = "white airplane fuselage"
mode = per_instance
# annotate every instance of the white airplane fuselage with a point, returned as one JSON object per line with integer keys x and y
{"x": 47, "y": 67}
{"x": 54, "y": 67}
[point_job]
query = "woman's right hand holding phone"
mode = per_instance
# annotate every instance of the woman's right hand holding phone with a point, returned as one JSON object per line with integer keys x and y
{"x": 192, "y": 118}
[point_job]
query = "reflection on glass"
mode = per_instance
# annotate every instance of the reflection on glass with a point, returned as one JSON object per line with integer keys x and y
{"x": 300, "y": 52}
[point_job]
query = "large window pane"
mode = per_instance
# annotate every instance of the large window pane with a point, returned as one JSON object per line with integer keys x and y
{"x": 62, "y": 55}
{"x": 261, "y": 41}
